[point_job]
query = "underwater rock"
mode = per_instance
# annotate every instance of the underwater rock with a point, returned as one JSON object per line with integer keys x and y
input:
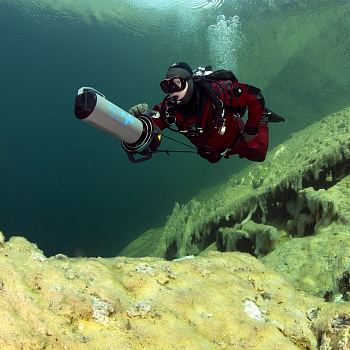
{"x": 256, "y": 239}
{"x": 320, "y": 264}
{"x": 2, "y": 239}
{"x": 213, "y": 302}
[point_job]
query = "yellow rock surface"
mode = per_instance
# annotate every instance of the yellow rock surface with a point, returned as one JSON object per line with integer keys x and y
{"x": 219, "y": 301}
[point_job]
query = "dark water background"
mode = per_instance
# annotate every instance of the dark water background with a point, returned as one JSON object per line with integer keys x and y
{"x": 69, "y": 187}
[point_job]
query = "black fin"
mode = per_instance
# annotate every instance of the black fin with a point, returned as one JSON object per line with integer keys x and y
{"x": 272, "y": 117}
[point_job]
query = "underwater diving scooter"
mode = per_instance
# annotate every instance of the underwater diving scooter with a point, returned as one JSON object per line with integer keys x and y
{"x": 138, "y": 134}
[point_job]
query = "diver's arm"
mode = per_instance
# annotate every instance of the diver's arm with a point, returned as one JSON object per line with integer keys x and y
{"x": 243, "y": 95}
{"x": 256, "y": 105}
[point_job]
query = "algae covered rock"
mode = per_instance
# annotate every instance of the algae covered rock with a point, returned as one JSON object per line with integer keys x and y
{"x": 213, "y": 302}
{"x": 320, "y": 264}
{"x": 257, "y": 239}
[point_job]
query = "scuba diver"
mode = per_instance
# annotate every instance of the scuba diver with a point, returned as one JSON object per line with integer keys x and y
{"x": 207, "y": 107}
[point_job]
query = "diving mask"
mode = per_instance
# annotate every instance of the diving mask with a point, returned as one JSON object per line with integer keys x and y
{"x": 173, "y": 84}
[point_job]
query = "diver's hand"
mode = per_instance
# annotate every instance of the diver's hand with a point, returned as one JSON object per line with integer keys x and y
{"x": 141, "y": 108}
{"x": 250, "y": 132}
{"x": 248, "y": 137}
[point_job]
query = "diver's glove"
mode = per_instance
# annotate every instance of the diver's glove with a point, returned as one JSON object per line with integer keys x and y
{"x": 247, "y": 137}
{"x": 141, "y": 108}
{"x": 250, "y": 132}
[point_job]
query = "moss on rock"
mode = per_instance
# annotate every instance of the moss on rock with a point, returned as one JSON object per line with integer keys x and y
{"x": 218, "y": 301}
